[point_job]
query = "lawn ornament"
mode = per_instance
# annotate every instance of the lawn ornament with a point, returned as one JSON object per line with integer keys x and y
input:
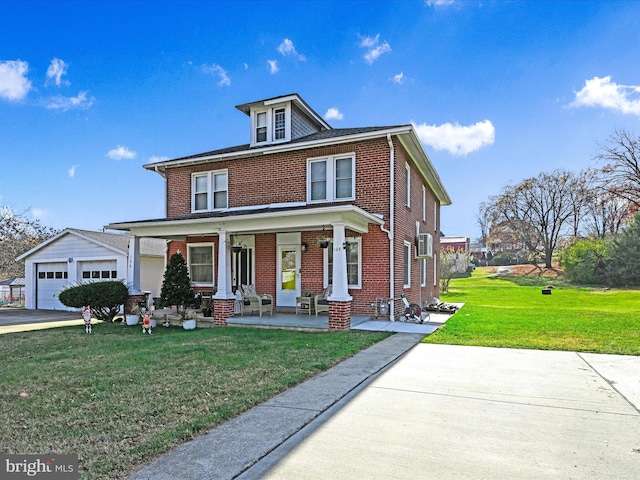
{"x": 86, "y": 314}
{"x": 146, "y": 323}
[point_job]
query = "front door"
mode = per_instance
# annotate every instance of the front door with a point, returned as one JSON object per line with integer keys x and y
{"x": 288, "y": 281}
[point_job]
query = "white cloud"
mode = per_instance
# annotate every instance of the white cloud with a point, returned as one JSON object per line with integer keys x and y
{"x": 14, "y": 84}
{"x": 287, "y": 48}
{"x": 67, "y": 103}
{"x": 121, "y": 153}
{"x": 439, "y": 3}
{"x": 57, "y": 68}
{"x": 374, "y": 48}
{"x": 333, "y": 114}
{"x": 602, "y": 92}
{"x": 215, "y": 69}
{"x": 399, "y": 78}
{"x": 72, "y": 171}
{"x": 456, "y": 139}
{"x": 156, "y": 158}
{"x": 273, "y": 66}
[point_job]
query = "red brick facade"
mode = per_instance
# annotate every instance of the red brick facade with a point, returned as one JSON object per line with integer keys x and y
{"x": 282, "y": 177}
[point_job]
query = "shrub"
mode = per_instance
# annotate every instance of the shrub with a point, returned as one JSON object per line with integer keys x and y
{"x": 105, "y": 298}
{"x": 504, "y": 258}
{"x": 623, "y": 267}
{"x": 585, "y": 261}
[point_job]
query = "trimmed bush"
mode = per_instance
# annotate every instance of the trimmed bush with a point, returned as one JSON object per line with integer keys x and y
{"x": 104, "y": 298}
{"x": 585, "y": 261}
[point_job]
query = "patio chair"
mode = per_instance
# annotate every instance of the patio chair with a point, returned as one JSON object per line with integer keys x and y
{"x": 253, "y": 301}
{"x": 320, "y": 302}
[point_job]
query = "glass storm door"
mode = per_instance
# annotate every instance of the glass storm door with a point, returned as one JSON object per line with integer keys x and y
{"x": 288, "y": 281}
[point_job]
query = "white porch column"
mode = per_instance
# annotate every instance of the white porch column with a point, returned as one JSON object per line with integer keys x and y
{"x": 133, "y": 266}
{"x": 224, "y": 291}
{"x": 340, "y": 292}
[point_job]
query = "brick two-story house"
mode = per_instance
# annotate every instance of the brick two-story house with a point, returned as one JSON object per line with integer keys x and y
{"x": 371, "y": 191}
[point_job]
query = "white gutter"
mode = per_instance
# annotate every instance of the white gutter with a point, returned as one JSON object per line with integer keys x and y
{"x": 389, "y": 232}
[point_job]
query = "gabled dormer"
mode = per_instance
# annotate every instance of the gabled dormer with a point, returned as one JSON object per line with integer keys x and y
{"x": 281, "y": 119}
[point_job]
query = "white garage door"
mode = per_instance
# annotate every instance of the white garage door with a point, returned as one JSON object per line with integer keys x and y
{"x": 52, "y": 277}
{"x": 97, "y": 271}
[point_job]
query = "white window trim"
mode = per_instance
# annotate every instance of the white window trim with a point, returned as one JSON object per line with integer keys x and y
{"x": 435, "y": 269}
{"x": 213, "y": 260}
{"x": 270, "y": 111}
{"x": 423, "y": 272}
{"x": 407, "y": 168}
{"x": 210, "y": 185}
{"x": 331, "y": 177}
{"x": 424, "y": 203}
{"x": 435, "y": 216}
{"x": 357, "y": 240}
{"x": 406, "y": 248}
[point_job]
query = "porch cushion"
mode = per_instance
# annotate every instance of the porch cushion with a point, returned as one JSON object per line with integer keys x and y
{"x": 249, "y": 289}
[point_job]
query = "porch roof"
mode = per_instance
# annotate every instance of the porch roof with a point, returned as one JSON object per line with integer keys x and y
{"x": 258, "y": 219}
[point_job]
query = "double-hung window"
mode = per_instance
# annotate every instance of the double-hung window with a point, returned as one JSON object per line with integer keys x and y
{"x": 201, "y": 263}
{"x": 331, "y": 179}
{"x": 271, "y": 125}
{"x": 406, "y": 264}
{"x": 354, "y": 263}
{"x": 209, "y": 191}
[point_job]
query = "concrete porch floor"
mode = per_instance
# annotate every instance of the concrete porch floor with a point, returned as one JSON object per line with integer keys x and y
{"x": 321, "y": 322}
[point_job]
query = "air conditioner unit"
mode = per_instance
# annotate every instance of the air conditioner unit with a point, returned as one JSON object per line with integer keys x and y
{"x": 424, "y": 245}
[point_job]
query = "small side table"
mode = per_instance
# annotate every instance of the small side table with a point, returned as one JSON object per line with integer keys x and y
{"x": 303, "y": 305}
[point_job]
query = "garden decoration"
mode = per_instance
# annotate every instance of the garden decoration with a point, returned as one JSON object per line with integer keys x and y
{"x": 146, "y": 323}
{"x": 86, "y": 314}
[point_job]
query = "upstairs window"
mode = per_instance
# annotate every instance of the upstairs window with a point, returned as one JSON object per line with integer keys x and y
{"x": 271, "y": 125}
{"x": 261, "y": 127}
{"x": 331, "y": 179}
{"x": 209, "y": 191}
{"x": 279, "y": 124}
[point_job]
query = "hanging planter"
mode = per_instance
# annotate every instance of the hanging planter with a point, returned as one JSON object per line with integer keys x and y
{"x": 236, "y": 248}
{"x": 322, "y": 241}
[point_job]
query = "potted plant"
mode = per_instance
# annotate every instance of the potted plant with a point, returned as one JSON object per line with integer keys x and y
{"x": 134, "y": 317}
{"x": 322, "y": 241}
{"x": 189, "y": 322}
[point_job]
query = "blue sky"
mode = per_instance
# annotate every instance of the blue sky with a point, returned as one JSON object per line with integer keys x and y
{"x": 498, "y": 91}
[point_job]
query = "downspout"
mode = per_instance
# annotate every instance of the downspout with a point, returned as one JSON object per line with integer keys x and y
{"x": 389, "y": 232}
{"x": 166, "y": 190}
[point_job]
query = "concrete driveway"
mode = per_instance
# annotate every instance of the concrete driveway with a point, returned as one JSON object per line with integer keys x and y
{"x": 450, "y": 412}
{"x": 20, "y": 319}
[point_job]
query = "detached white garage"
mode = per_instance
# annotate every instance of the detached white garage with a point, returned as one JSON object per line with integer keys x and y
{"x": 75, "y": 256}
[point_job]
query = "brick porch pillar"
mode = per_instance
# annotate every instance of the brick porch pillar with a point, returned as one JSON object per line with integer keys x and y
{"x": 339, "y": 315}
{"x": 133, "y": 301}
{"x": 223, "y": 309}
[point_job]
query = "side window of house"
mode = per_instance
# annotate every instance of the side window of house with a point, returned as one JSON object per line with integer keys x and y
{"x": 424, "y": 204}
{"x": 407, "y": 181}
{"x": 354, "y": 263}
{"x": 406, "y": 254}
{"x": 423, "y": 272}
{"x": 330, "y": 179}
{"x": 201, "y": 264}
{"x": 210, "y": 191}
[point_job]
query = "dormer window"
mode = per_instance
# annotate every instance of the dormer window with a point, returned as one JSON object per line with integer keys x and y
{"x": 271, "y": 125}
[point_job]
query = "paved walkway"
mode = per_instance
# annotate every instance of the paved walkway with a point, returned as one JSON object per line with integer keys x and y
{"x": 403, "y": 411}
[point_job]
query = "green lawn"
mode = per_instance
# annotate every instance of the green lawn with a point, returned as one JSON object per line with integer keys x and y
{"x": 119, "y": 398}
{"x": 513, "y": 313}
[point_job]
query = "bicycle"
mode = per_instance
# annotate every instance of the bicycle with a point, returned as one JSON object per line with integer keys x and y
{"x": 413, "y": 312}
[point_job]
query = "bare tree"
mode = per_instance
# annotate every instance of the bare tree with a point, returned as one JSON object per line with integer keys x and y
{"x": 621, "y": 159}
{"x": 540, "y": 209}
{"x": 452, "y": 262}
{"x": 484, "y": 220}
{"x": 18, "y": 234}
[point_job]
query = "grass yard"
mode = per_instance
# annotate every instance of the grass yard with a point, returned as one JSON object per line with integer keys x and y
{"x": 119, "y": 398}
{"x": 512, "y": 312}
